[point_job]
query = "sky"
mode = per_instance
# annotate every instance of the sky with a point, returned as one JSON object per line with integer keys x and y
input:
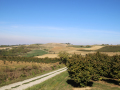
{"x": 79, "y": 22}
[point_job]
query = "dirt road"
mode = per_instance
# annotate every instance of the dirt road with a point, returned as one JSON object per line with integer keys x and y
{"x": 33, "y": 81}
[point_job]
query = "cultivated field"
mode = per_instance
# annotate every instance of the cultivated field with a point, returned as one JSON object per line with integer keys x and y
{"x": 55, "y": 48}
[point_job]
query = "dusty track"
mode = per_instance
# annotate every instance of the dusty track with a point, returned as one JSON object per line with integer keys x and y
{"x": 33, "y": 81}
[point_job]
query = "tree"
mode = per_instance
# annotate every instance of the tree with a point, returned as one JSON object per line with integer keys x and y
{"x": 63, "y": 56}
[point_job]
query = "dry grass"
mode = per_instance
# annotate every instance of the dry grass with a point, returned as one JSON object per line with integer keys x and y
{"x": 22, "y": 64}
{"x": 73, "y": 49}
{"x": 12, "y": 71}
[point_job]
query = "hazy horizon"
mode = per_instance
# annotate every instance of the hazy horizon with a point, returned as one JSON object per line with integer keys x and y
{"x": 79, "y": 22}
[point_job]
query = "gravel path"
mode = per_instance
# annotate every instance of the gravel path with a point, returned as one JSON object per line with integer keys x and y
{"x": 33, "y": 81}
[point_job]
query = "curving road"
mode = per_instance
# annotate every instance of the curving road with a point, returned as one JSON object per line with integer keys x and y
{"x": 33, "y": 81}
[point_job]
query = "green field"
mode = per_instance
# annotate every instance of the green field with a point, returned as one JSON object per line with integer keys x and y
{"x": 106, "y": 49}
{"x": 63, "y": 82}
{"x": 109, "y": 49}
{"x": 35, "y": 53}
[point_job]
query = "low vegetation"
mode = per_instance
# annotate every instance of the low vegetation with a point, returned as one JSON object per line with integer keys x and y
{"x": 17, "y": 71}
{"x": 15, "y": 51}
{"x": 112, "y": 48}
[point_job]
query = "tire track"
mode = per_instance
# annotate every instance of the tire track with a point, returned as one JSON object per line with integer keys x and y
{"x": 33, "y": 81}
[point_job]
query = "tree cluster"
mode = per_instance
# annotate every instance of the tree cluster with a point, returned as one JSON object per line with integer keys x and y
{"x": 93, "y": 67}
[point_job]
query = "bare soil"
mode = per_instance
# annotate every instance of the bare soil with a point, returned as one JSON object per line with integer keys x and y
{"x": 48, "y": 55}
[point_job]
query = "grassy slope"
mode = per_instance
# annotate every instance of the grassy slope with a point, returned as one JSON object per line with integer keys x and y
{"x": 63, "y": 82}
{"x": 36, "y": 53}
{"x": 110, "y": 49}
{"x": 106, "y": 49}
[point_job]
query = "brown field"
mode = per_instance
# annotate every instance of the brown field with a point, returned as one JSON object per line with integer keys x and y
{"x": 48, "y": 55}
{"x": 57, "y": 47}
{"x": 72, "y": 50}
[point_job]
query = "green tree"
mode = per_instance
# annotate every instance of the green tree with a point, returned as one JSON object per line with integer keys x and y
{"x": 63, "y": 56}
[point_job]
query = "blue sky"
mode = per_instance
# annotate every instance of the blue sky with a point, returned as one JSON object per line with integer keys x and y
{"x": 80, "y": 22}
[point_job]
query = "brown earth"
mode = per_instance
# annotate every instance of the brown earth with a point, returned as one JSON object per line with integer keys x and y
{"x": 48, "y": 55}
